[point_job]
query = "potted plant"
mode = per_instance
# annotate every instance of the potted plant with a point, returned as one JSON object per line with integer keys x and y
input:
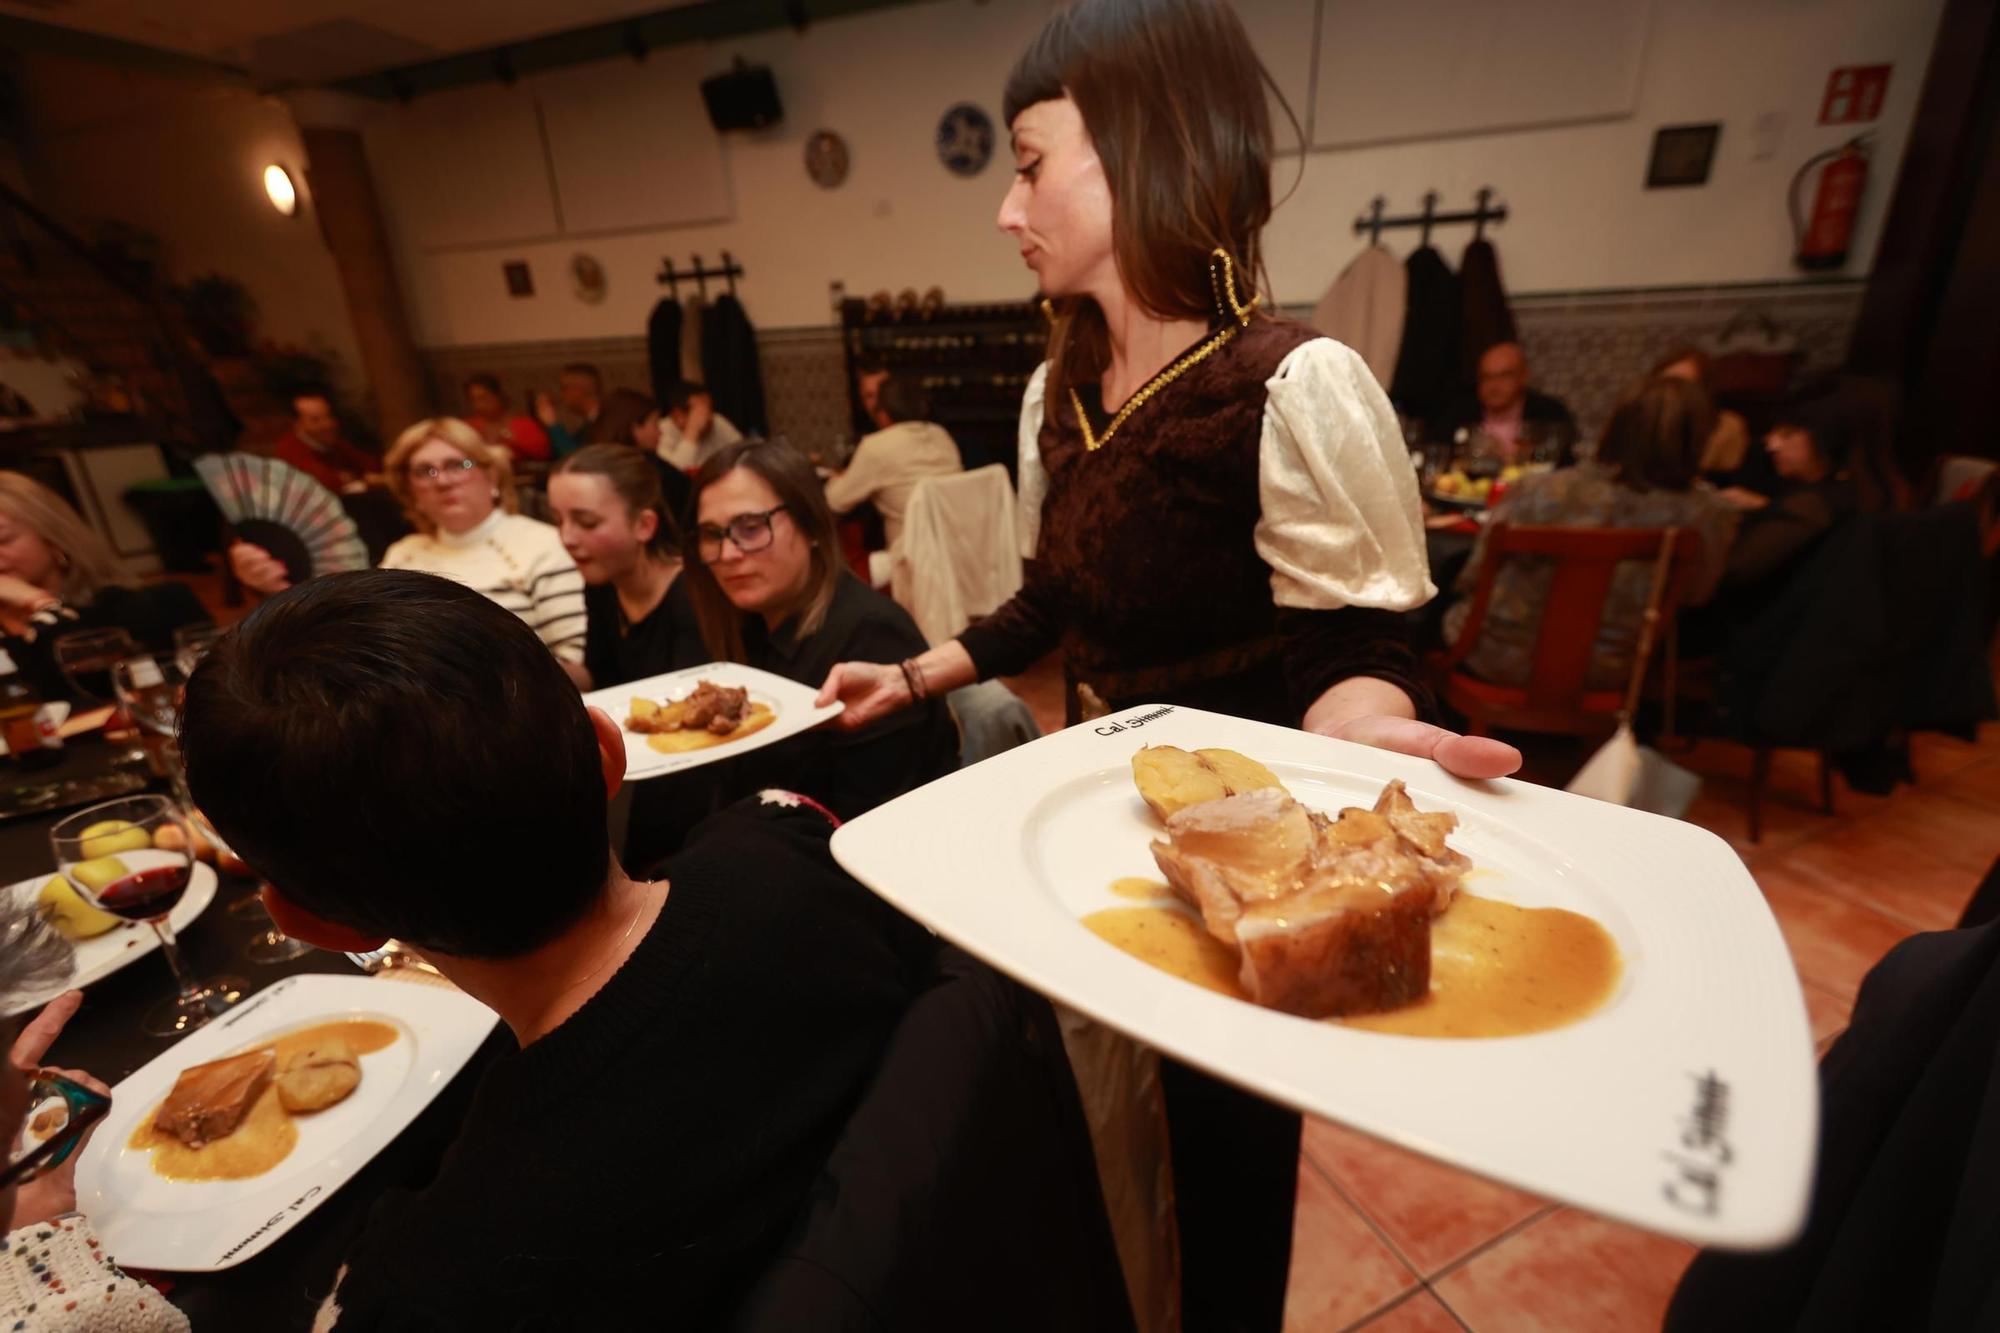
{"x": 218, "y": 311}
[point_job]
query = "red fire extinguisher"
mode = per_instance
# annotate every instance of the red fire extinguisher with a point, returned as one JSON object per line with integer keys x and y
{"x": 1823, "y": 238}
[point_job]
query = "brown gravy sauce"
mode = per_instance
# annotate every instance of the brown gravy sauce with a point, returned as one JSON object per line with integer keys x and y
{"x": 267, "y": 1135}
{"x": 1497, "y": 970}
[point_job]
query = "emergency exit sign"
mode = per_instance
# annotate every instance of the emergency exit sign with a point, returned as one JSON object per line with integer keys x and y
{"x": 1854, "y": 93}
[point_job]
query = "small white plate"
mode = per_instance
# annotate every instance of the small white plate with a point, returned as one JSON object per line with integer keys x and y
{"x": 148, "y": 1221}
{"x": 791, "y": 702}
{"x": 1687, "y": 1104}
{"x": 101, "y": 955}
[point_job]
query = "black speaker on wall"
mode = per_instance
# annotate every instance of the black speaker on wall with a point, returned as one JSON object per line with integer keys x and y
{"x": 745, "y": 98}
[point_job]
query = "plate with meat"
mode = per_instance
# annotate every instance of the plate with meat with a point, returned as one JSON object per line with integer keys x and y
{"x": 1580, "y": 1000}
{"x": 216, "y": 1147}
{"x": 701, "y": 714}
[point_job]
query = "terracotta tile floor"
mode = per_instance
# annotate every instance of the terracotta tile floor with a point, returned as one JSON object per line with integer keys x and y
{"x": 1394, "y": 1243}
{"x": 1390, "y": 1242}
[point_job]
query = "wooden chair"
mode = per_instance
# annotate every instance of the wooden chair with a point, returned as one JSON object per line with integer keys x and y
{"x": 1557, "y": 697}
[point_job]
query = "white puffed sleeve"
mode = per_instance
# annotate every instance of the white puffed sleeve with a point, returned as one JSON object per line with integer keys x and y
{"x": 1031, "y": 476}
{"x": 1342, "y": 524}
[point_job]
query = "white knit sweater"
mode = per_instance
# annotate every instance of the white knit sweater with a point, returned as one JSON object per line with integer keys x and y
{"x": 55, "y": 1278}
{"x": 517, "y": 562}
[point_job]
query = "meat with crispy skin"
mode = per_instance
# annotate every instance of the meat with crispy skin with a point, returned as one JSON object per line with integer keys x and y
{"x": 1329, "y": 916}
{"x": 718, "y": 709}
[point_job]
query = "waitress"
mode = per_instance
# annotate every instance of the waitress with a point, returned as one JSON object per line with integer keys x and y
{"x": 1223, "y": 511}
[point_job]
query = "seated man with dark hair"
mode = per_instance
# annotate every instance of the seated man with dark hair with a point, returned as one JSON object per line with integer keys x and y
{"x": 400, "y": 757}
{"x": 887, "y": 465}
{"x": 692, "y": 429}
{"x": 314, "y": 445}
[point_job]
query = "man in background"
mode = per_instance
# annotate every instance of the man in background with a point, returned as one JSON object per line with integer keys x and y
{"x": 314, "y": 446}
{"x": 887, "y": 465}
{"x": 570, "y": 415}
{"x": 1511, "y": 421}
{"x": 692, "y": 429}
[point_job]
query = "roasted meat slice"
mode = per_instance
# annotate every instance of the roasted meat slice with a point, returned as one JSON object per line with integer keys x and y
{"x": 714, "y": 708}
{"x": 1329, "y": 916}
{"x": 209, "y": 1101}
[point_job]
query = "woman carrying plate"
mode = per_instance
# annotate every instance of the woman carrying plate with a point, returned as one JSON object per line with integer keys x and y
{"x": 1224, "y": 511}
{"x": 768, "y": 588}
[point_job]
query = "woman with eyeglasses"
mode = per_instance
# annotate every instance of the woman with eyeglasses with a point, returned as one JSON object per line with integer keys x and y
{"x": 769, "y": 589}
{"x": 46, "y": 1116}
{"x": 458, "y": 492}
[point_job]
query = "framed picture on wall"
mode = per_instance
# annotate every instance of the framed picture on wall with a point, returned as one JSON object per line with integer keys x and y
{"x": 520, "y": 282}
{"x": 1682, "y": 155}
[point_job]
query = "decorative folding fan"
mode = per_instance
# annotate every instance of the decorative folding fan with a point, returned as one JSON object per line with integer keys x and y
{"x": 274, "y": 505}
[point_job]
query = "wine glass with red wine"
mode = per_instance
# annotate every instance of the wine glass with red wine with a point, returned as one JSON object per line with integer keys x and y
{"x": 134, "y": 858}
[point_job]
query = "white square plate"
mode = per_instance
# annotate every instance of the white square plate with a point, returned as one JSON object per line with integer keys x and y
{"x": 148, "y": 1221}
{"x": 1687, "y": 1104}
{"x": 790, "y": 701}
{"x": 101, "y": 955}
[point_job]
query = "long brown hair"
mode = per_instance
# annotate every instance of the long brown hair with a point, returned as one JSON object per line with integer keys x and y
{"x": 1656, "y": 435}
{"x": 1173, "y": 98}
{"x": 618, "y": 416}
{"x": 86, "y": 561}
{"x": 788, "y": 474}
{"x": 635, "y": 479}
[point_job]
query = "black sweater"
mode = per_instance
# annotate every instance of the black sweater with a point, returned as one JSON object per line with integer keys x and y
{"x": 640, "y": 1165}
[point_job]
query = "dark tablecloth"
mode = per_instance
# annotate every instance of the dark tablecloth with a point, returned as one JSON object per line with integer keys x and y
{"x": 280, "y": 1288}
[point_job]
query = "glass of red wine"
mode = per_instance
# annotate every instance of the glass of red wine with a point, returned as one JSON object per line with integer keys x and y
{"x": 133, "y": 858}
{"x": 85, "y": 658}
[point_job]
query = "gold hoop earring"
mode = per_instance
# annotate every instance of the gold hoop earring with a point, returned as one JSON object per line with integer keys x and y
{"x": 1222, "y": 285}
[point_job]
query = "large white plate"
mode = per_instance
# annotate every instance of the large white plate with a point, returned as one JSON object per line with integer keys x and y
{"x": 1699, "y": 1068}
{"x": 148, "y": 1221}
{"x": 101, "y": 955}
{"x": 791, "y": 701}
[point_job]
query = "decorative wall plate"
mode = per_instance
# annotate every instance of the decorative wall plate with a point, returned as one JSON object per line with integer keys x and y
{"x": 965, "y": 140}
{"x": 826, "y": 159}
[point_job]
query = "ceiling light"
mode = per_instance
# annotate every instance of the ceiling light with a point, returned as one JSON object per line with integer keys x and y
{"x": 278, "y": 185}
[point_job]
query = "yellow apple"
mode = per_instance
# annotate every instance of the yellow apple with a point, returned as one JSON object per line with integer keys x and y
{"x": 113, "y": 835}
{"x": 99, "y": 874}
{"x": 66, "y": 910}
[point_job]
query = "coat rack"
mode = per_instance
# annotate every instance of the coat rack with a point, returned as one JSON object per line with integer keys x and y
{"x": 1372, "y": 223}
{"x": 669, "y": 276}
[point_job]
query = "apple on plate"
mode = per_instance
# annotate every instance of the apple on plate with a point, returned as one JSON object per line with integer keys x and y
{"x": 73, "y": 918}
{"x": 110, "y": 836}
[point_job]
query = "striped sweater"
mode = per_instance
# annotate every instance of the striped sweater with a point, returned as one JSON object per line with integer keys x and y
{"x": 517, "y": 562}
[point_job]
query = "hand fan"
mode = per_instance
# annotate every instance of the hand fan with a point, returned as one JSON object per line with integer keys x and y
{"x": 272, "y": 504}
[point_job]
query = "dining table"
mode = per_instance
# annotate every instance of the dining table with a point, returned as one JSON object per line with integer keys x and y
{"x": 281, "y": 1287}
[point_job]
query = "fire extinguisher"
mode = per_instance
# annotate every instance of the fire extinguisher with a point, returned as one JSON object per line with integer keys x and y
{"x": 1822, "y": 239}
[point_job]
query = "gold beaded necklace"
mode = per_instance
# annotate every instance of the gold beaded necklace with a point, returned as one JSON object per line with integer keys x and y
{"x": 1224, "y": 287}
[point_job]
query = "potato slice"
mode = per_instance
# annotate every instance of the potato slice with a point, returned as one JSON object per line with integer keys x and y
{"x": 643, "y": 709}
{"x": 1239, "y": 773}
{"x": 1171, "y": 779}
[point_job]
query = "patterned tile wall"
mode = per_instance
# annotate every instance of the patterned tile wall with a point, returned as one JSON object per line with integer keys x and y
{"x": 1584, "y": 348}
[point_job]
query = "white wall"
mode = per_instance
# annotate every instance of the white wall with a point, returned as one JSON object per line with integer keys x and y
{"x": 1581, "y": 217}
{"x": 183, "y": 158}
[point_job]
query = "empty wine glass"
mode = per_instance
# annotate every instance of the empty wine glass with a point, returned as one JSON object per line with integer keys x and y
{"x": 192, "y": 642}
{"x": 86, "y": 657}
{"x": 150, "y": 687}
{"x": 112, "y": 856}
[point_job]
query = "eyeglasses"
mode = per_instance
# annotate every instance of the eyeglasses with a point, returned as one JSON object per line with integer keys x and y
{"x": 750, "y": 532}
{"x": 60, "y": 1114}
{"x": 432, "y": 474}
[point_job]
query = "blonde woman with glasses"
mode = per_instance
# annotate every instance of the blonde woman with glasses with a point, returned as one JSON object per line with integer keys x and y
{"x": 458, "y": 492}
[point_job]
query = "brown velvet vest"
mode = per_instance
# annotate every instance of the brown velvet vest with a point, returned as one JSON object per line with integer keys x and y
{"x": 1152, "y": 536}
